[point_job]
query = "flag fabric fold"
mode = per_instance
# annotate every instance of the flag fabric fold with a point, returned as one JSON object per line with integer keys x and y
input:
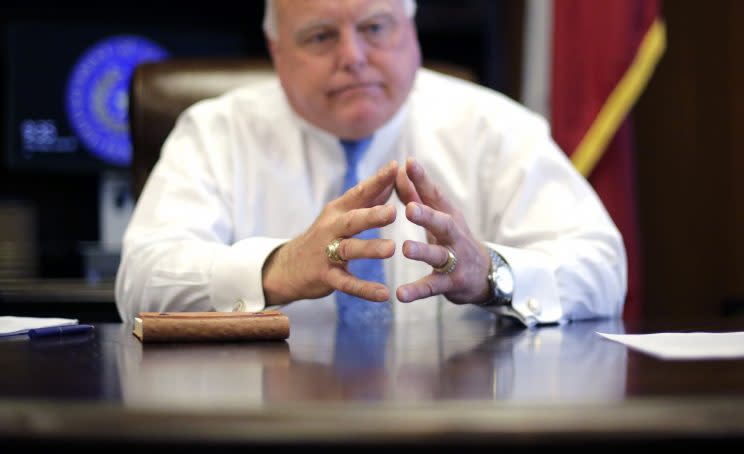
{"x": 597, "y": 60}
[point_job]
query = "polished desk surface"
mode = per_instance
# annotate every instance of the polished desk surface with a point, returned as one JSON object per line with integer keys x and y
{"x": 429, "y": 383}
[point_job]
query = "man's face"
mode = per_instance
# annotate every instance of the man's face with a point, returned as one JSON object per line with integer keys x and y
{"x": 345, "y": 65}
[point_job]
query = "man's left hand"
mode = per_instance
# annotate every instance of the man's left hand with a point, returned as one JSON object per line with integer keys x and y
{"x": 446, "y": 229}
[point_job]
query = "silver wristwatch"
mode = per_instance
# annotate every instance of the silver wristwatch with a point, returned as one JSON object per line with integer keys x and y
{"x": 500, "y": 280}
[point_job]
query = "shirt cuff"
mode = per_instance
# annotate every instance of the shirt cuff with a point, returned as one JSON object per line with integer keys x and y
{"x": 237, "y": 281}
{"x": 535, "y": 300}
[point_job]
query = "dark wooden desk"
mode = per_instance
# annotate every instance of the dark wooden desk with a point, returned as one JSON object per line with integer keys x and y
{"x": 465, "y": 384}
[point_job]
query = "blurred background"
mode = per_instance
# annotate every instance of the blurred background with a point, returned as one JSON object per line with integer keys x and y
{"x": 64, "y": 184}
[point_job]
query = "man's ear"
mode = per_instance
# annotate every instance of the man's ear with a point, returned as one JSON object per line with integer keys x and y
{"x": 273, "y": 46}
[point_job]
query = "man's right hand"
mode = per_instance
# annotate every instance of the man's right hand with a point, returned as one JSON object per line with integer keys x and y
{"x": 300, "y": 269}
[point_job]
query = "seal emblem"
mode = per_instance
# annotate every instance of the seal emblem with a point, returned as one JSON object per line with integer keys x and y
{"x": 97, "y": 96}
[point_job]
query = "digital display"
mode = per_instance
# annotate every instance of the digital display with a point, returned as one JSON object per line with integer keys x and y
{"x": 67, "y": 88}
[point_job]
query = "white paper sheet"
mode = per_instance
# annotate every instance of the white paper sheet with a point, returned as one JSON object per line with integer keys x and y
{"x": 11, "y": 326}
{"x": 694, "y": 345}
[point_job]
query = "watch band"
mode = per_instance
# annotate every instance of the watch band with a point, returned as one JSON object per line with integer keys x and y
{"x": 501, "y": 294}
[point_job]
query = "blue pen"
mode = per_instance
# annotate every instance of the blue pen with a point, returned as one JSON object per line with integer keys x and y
{"x": 59, "y": 330}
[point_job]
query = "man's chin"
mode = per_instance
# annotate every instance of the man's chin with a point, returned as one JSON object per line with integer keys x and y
{"x": 355, "y": 132}
{"x": 360, "y": 126}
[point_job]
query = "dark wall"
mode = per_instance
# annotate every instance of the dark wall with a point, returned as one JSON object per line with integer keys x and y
{"x": 689, "y": 125}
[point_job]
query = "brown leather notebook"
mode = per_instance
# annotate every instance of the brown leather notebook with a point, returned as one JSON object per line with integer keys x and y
{"x": 210, "y": 326}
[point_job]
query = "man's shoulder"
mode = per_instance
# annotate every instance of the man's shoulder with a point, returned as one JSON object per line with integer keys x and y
{"x": 445, "y": 97}
{"x": 259, "y": 97}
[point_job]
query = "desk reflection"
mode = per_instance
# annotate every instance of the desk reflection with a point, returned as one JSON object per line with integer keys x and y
{"x": 416, "y": 361}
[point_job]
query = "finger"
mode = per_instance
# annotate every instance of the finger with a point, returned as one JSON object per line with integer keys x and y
{"x": 361, "y": 219}
{"x": 354, "y": 248}
{"x": 441, "y": 225}
{"x": 374, "y": 190}
{"x": 404, "y": 187}
{"x": 430, "y": 238}
{"x": 430, "y": 285}
{"x": 426, "y": 189}
{"x": 434, "y": 255}
{"x": 340, "y": 279}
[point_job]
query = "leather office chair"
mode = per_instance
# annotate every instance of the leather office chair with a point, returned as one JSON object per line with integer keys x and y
{"x": 160, "y": 91}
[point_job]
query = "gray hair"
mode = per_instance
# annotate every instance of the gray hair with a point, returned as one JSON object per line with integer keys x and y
{"x": 269, "y": 20}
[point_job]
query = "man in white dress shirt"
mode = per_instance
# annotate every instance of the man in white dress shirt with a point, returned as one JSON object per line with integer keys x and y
{"x": 479, "y": 211}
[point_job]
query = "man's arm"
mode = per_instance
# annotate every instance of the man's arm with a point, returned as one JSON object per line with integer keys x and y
{"x": 179, "y": 253}
{"x": 567, "y": 256}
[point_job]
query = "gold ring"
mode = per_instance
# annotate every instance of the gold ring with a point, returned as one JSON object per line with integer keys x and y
{"x": 332, "y": 252}
{"x": 449, "y": 266}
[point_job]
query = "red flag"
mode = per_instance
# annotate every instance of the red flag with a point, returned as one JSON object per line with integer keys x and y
{"x": 603, "y": 54}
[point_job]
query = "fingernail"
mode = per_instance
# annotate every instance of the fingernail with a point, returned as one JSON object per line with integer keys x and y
{"x": 402, "y": 295}
{"x": 415, "y": 210}
{"x": 417, "y": 169}
{"x": 381, "y": 295}
{"x": 390, "y": 167}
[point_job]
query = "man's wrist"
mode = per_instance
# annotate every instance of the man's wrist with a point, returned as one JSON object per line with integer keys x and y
{"x": 272, "y": 277}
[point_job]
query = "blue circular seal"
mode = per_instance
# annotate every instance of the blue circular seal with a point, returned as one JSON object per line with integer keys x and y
{"x": 97, "y": 95}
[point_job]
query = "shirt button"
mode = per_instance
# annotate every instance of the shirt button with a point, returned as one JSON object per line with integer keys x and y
{"x": 239, "y": 306}
{"x": 534, "y": 306}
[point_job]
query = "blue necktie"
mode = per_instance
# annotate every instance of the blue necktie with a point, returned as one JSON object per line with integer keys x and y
{"x": 353, "y": 310}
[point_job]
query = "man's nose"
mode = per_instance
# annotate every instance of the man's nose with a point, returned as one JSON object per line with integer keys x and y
{"x": 352, "y": 51}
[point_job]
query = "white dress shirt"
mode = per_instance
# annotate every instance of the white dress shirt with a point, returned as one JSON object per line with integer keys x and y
{"x": 242, "y": 173}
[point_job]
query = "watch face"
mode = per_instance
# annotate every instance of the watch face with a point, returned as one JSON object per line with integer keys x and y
{"x": 503, "y": 280}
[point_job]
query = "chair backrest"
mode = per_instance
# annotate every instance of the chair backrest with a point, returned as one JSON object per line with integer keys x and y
{"x": 160, "y": 91}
